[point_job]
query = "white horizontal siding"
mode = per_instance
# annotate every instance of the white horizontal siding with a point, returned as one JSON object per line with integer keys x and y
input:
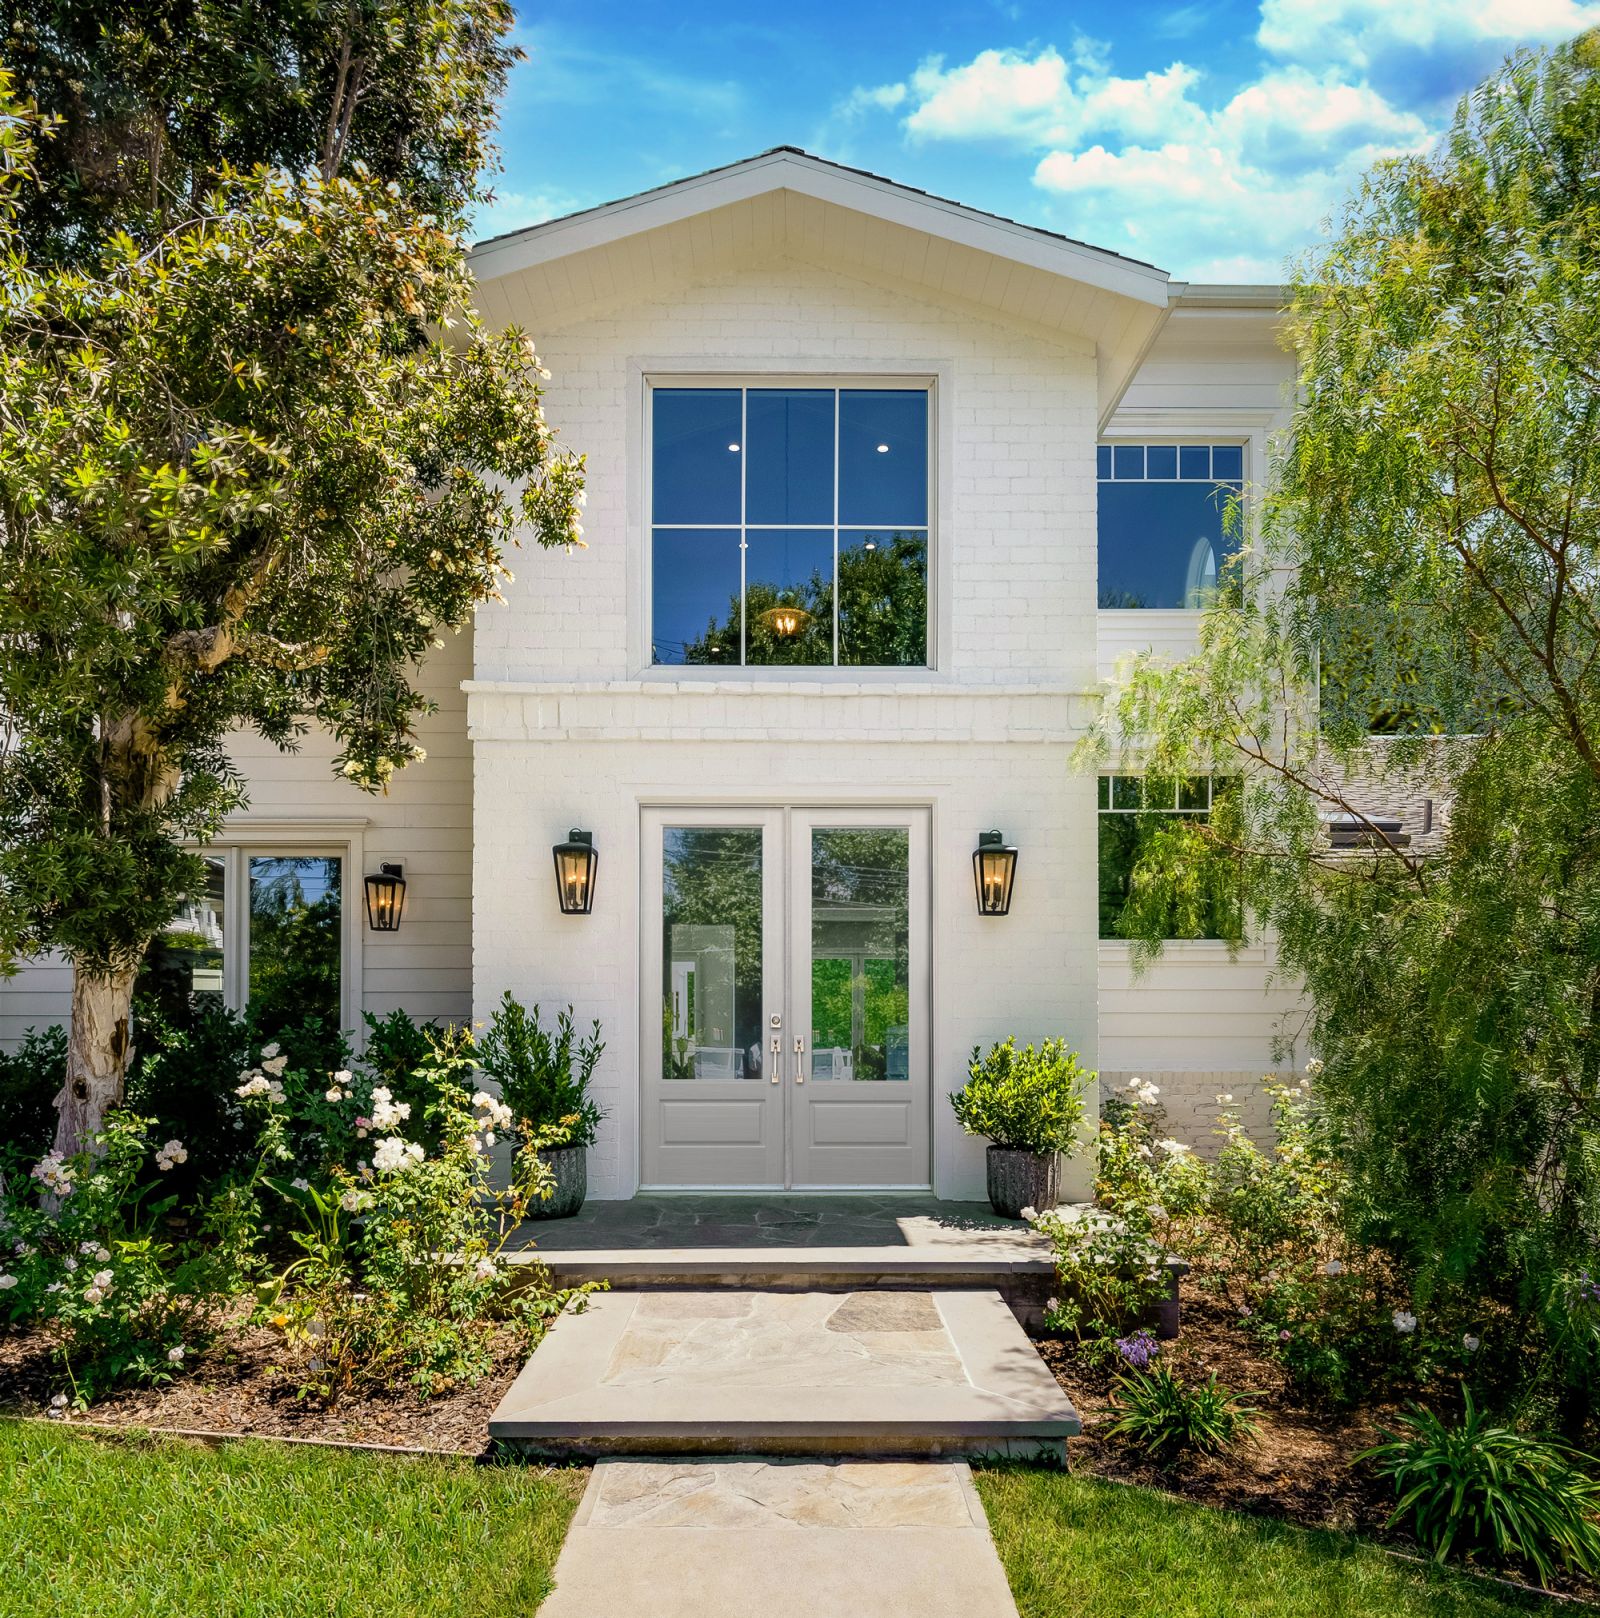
{"x": 423, "y": 822}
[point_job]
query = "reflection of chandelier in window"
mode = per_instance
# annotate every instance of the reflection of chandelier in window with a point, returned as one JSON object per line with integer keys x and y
{"x": 785, "y": 622}
{"x": 1201, "y": 584}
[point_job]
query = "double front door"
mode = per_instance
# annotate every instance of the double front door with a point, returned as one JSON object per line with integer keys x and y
{"x": 786, "y": 998}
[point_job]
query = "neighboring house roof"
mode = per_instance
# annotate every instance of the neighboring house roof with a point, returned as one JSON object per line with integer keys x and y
{"x": 788, "y": 202}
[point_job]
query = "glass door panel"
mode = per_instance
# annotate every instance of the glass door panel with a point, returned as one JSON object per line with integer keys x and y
{"x": 713, "y": 1110}
{"x": 859, "y": 1095}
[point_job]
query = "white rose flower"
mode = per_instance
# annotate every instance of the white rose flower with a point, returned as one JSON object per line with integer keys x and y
{"x": 102, "y": 1279}
{"x": 175, "y": 1355}
{"x": 343, "y": 1076}
{"x": 270, "y": 1050}
{"x": 485, "y": 1269}
{"x": 1173, "y": 1148}
{"x": 333, "y": 1093}
{"x": 7, "y": 1282}
{"x": 1470, "y": 1343}
{"x": 1333, "y": 1267}
{"x": 275, "y": 1066}
{"x": 1030, "y": 1214}
{"x": 93, "y": 1295}
{"x": 1404, "y": 1321}
{"x": 69, "y": 1265}
{"x": 1314, "y": 1068}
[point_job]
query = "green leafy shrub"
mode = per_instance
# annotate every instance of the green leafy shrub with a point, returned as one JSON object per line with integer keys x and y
{"x": 543, "y": 1074}
{"x": 1474, "y": 1488}
{"x": 1030, "y": 1100}
{"x": 182, "y": 1077}
{"x": 399, "y": 1058}
{"x": 402, "y": 1273}
{"x": 30, "y": 1079}
{"x": 91, "y": 1255}
{"x": 1168, "y": 1417}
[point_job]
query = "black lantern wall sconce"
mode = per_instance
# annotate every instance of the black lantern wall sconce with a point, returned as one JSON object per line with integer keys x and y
{"x": 576, "y": 861}
{"x": 994, "y": 869}
{"x": 386, "y": 895}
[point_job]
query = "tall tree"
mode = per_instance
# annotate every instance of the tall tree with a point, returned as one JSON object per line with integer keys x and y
{"x": 1435, "y": 512}
{"x": 257, "y": 453}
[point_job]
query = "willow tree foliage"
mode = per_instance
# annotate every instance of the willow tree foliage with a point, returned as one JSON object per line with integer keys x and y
{"x": 257, "y": 453}
{"x": 1427, "y": 566}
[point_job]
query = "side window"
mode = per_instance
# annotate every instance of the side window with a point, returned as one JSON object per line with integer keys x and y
{"x": 789, "y": 526}
{"x": 1168, "y": 522}
{"x": 267, "y": 936}
{"x": 1139, "y": 818}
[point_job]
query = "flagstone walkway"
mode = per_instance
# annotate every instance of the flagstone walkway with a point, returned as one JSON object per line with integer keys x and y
{"x": 780, "y": 1539}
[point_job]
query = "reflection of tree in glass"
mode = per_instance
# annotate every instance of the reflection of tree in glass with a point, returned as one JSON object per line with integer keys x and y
{"x": 294, "y": 944}
{"x": 1200, "y": 895}
{"x": 711, "y": 876}
{"x": 883, "y": 607}
{"x": 860, "y": 922}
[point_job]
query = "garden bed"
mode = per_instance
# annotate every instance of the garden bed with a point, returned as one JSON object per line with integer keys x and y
{"x": 243, "y": 1385}
{"x": 1298, "y": 1468}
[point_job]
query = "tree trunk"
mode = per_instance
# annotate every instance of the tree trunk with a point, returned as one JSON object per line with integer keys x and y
{"x": 98, "y": 1048}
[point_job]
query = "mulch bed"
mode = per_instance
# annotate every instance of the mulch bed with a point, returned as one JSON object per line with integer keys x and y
{"x": 1298, "y": 1468}
{"x": 241, "y": 1385}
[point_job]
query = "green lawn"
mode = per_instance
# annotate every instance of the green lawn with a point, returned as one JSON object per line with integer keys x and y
{"x": 1082, "y": 1548}
{"x": 123, "y": 1527}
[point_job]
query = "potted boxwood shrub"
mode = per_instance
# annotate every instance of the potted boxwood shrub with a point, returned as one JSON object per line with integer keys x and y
{"x": 1029, "y": 1105}
{"x": 544, "y": 1076}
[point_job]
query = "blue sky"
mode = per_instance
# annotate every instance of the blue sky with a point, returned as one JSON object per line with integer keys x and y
{"x": 1210, "y": 137}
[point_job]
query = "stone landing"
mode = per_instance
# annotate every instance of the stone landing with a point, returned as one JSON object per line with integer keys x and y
{"x": 881, "y": 1373}
{"x": 786, "y": 1539}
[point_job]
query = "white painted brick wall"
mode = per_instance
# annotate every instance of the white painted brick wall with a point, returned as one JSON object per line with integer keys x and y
{"x": 579, "y": 734}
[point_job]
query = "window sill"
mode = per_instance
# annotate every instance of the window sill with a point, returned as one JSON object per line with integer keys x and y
{"x": 1185, "y": 949}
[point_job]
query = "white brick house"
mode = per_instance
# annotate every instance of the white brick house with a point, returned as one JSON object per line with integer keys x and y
{"x": 854, "y": 487}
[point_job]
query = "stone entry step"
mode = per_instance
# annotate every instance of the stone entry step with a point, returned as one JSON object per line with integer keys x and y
{"x": 785, "y": 1539}
{"x": 884, "y": 1373}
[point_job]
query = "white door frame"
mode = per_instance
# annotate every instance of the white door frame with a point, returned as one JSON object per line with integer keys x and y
{"x": 786, "y": 955}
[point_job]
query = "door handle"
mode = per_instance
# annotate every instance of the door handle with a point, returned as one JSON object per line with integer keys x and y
{"x": 777, "y": 1058}
{"x": 799, "y": 1060}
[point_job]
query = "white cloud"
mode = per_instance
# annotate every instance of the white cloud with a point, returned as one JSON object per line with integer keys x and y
{"x": 1361, "y": 34}
{"x": 516, "y": 210}
{"x": 1209, "y": 188}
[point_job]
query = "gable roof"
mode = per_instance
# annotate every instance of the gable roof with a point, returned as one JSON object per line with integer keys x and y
{"x": 787, "y": 201}
{"x": 793, "y": 169}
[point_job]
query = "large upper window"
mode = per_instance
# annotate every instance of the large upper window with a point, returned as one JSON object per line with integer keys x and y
{"x": 1165, "y": 534}
{"x": 789, "y": 525}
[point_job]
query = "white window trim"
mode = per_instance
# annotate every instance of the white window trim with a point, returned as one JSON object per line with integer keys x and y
{"x": 647, "y": 373}
{"x": 342, "y": 839}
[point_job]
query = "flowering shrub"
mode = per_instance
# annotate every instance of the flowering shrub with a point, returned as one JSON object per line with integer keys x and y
{"x": 402, "y": 1273}
{"x": 89, "y": 1260}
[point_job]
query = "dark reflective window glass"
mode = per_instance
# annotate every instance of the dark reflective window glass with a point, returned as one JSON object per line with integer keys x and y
{"x": 1227, "y": 462}
{"x": 695, "y": 455}
{"x": 883, "y": 456}
{"x": 1165, "y": 532}
{"x": 694, "y": 596}
{"x": 295, "y": 932}
{"x": 789, "y": 450}
{"x": 883, "y": 598}
{"x": 1128, "y": 460}
{"x": 788, "y": 594}
{"x": 1102, "y": 461}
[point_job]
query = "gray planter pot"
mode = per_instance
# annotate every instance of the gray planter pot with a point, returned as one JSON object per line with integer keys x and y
{"x": 570, "y": 1165}
{"x": 1019, "y": 1179}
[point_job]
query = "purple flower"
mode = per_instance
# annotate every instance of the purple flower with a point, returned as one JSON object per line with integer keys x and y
{"x": 1139, "y": 1349}
{"x": 1283, "y": 1336}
